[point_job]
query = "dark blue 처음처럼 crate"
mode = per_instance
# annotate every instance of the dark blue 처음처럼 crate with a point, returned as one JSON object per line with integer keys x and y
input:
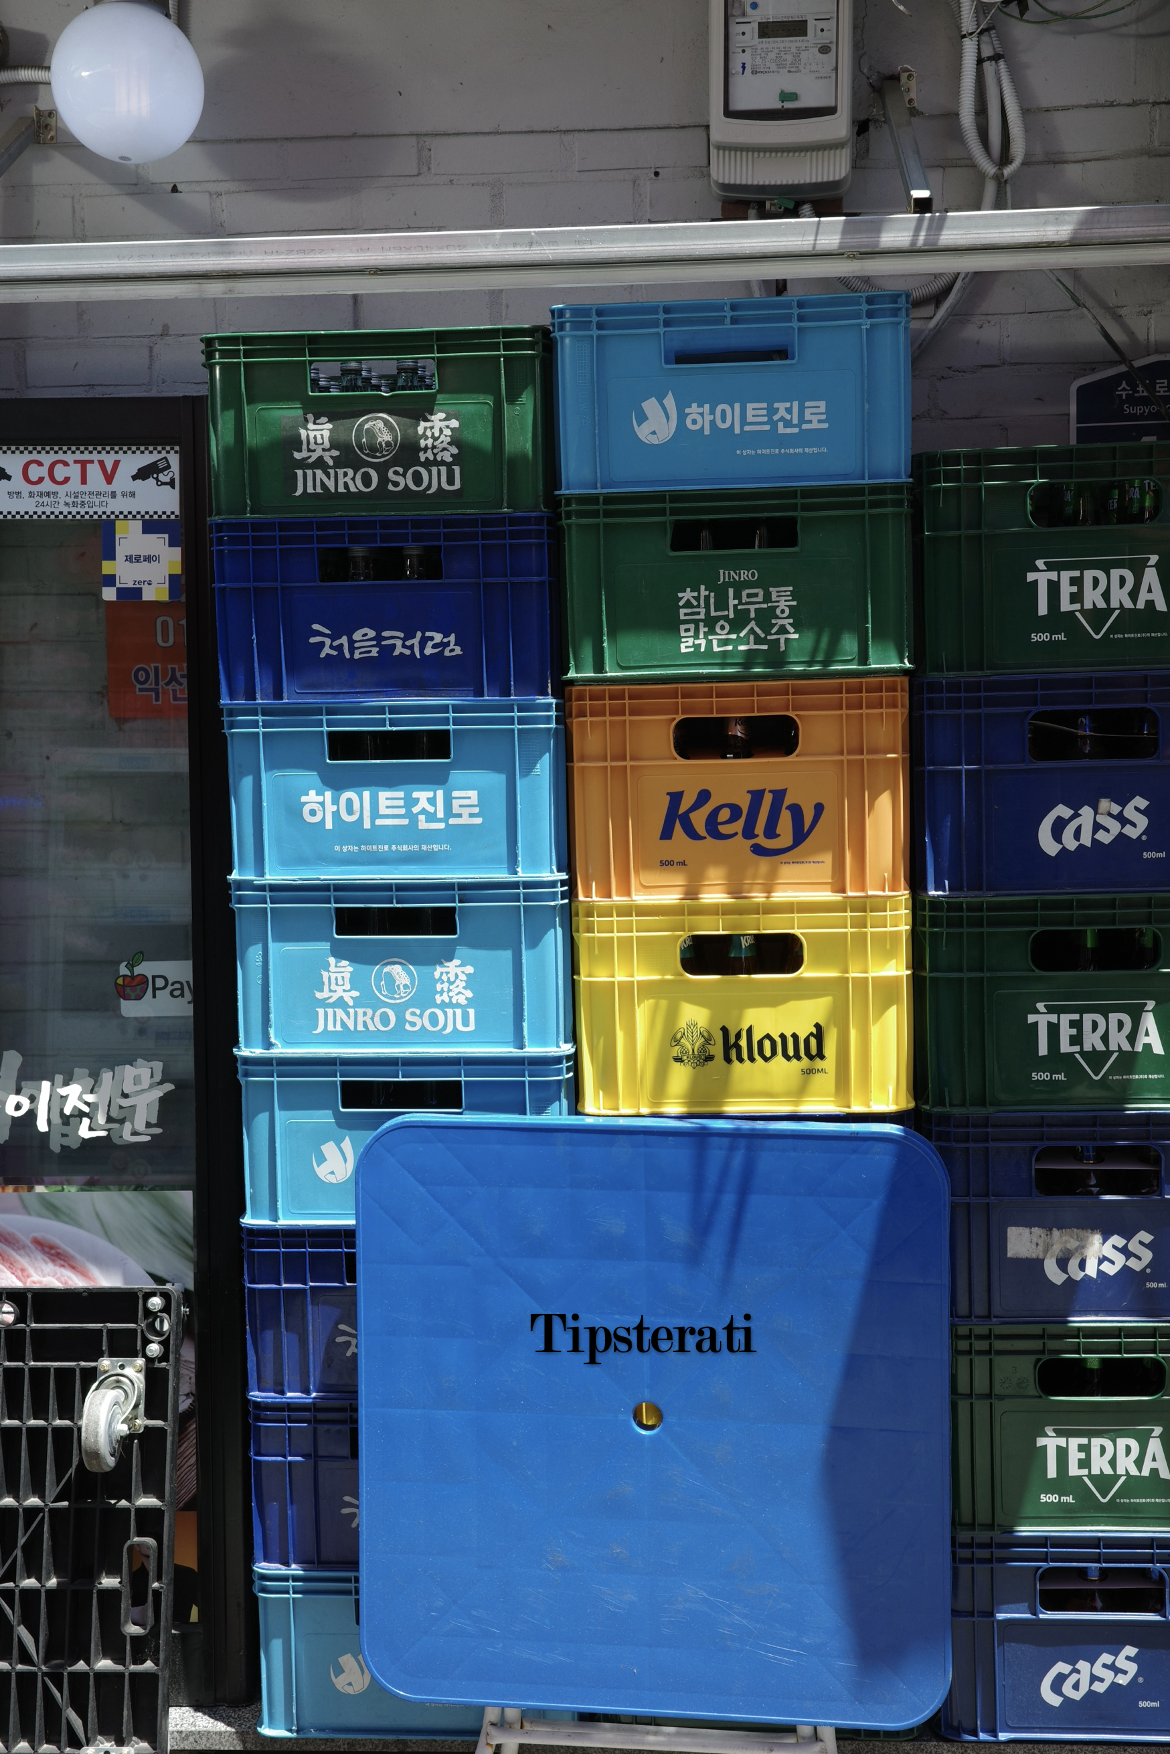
{"x": 382, "y": 608}
{"x": 1041, "y": 784}
{"x": 305, "y": 1483}
{"x": 412, "y": 967}
{"x": 456, "y": 788}
{"x": 709, "y": 393}
{"x": 299, "y": 1288}
{"x": 1056, "y": 1217}
{"x": 1059, "y": 1640}
{"x": 313, "y": 1679}
{"x": 307, "y": 1119}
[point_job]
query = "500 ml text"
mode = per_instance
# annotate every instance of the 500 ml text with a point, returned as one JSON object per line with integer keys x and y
{"x": 638, "y": 1336}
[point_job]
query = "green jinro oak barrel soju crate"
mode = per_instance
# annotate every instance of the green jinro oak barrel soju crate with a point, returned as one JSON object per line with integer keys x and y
{"x": 1061, "y": 1428}
{"x": 379, "y": 422}
{"x": 1042, "y": 1002}
{"x": 1056, "y": 558}
{"x": 753, "y": 582}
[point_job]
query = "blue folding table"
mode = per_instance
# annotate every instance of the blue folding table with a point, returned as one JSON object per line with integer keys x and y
{"x": 653, "y": 1418}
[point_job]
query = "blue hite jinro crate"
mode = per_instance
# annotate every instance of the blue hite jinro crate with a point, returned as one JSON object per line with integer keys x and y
{"x": 319, "y": 609}
{"x": 410, "y": 967}
{"x": 1060, "y": 1640}
{"x": 300, "y": 1291}
{"x": 1056, "y": 1217}
{"x": 306, "y": 1120}
{"x": 710, "y": 393}
{"x": 305, "y": 1483}
{"x": 700, "y": 1363}
{"x": 313, "y": 1681}
{"x": 1034, "y": 784}
{"x": 454, "y": 788}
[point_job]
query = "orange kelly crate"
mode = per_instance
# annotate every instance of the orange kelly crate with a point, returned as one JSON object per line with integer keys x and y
{"x": 819, "y": 808}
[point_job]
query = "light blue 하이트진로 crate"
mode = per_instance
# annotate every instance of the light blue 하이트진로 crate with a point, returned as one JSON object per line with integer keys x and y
{"x": 458, "y": 788}
{"x": 709, "y": 393}
{"x": 306, "y": 1120}
{"x": 313, "y": 1679}
{"x": 409, "y": 967}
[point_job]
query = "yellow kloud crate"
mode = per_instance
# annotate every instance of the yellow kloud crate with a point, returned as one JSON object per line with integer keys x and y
{"x": 823, "y": 1024}
{"x": 739, "y": 788}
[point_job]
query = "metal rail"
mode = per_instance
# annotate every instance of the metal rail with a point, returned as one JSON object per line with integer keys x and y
{"x": 516, "y": 1731}
{"x": 601, "y": 255}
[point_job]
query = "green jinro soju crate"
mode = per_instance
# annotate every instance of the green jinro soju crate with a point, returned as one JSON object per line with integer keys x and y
{"x": 379, "y": 422}
{"x": 1055, "y": 558}
{"x": 767, "y": 582}
{"x": 1061, "y": 1428}
{"x": 1050, "y": 1002}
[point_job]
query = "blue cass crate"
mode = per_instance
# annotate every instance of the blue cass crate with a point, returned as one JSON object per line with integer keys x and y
{"x": 306, "y": 1120}
{"x": 456, "y": 788}
{"x": 732, "y": 392}
{"x": 317, "y": 609}
{"x": 1034, "y": 784}
{"x": 411, "y": 967}
{"x": 313, "y": 1681}
{"x": 300, "y": 1292}
{"x": 1063, "y": 1640}
{"x": 304, "y": 1483}
{"x": 702, "y": 1364}
{"x": 1056, "y": 1217}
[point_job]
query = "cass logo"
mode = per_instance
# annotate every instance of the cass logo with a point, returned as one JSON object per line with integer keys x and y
{"x": 1102, "y": 823}
{"x": 1085, "y": 1253}
{"x": 658, "y": 422}
{"x": 1070, "y": 587}
{"x": 1076, "y": 1679}
{"x": 702, "y": 820}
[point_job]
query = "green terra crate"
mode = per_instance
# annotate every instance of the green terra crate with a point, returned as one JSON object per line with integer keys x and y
{"x": 379, "y": 421}
{"x": 1055, "y": 1002}
{"x": 789, "y": 581}
{"x": 1061, "y": 1428}
{"x": 1006, "y": 585}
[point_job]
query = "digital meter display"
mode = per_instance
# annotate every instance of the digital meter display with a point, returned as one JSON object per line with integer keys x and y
{"x": 781, "y": 59}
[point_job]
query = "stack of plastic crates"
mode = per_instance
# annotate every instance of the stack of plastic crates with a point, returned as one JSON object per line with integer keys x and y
{"x": 735, "y": 510}
{"x": 385, "y": 584}
{"x": 1042, "y": 1004}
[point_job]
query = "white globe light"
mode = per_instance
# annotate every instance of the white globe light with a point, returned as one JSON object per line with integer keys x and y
{"x": 127, "y": 82}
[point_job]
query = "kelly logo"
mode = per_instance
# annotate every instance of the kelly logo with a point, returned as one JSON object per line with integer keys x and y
{"x": 1102, "y": 823}
{"x": 637, "y": 1336}
{"x": 1079, "y": 1452}
{"x": 729, "y": 821}
{"x": 658, "y": 422}
{"x": 1090, "y": 1032}
{"x": 1085, "y": 1253}
{"x": 1079, "y": 1677}
{"x": 1070, "y": 587}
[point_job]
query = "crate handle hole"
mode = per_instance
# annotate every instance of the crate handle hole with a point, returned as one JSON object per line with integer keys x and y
{"x": 737, "y": 738}
{"x": 422, "y": 745}
{"x": 1066, "y": 503}
{"x": 741, "y": 953}
{"x": 733, "y": 535}
{"x": 360, "y": 565}
{"x": 1096, "y": 950}
{"x": 1081, "y": 1377}
{"x": 395, "y": 922}
{"x": 1110, "y": 1172}
{"x": 1094, "y": 1589}
{"x": 403, "y": 1095}
{"x": 1108, "y": 733}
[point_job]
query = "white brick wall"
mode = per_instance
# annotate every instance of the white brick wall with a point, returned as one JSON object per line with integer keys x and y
{"x": 392, "y": 113}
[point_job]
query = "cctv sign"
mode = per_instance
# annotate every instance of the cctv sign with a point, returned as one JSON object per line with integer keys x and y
{"x": 131, "y": 481}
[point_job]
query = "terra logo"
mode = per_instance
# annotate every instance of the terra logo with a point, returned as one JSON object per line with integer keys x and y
{"x": 660, "y": 420}
{"x": 1077, "y": 1677}
{"x": 1090, "y": 1453}
{"x": 1080, "y": 828}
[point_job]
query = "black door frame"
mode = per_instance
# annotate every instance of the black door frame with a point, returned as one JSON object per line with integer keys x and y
{"x": 226, "y": 1604}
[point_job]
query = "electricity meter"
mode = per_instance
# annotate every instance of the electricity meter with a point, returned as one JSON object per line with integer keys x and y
{"x": 781, "y": 90}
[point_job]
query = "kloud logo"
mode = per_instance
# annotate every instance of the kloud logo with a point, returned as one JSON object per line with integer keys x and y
{"x": 350, "y": 1675}
{"x": 336, "y": 1163}
{"x": 1078, "y": 1679}
{"x": 1085, "y": 1253}
{"x": 1080, "y": 828}
{"x": 661, "y": 418}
